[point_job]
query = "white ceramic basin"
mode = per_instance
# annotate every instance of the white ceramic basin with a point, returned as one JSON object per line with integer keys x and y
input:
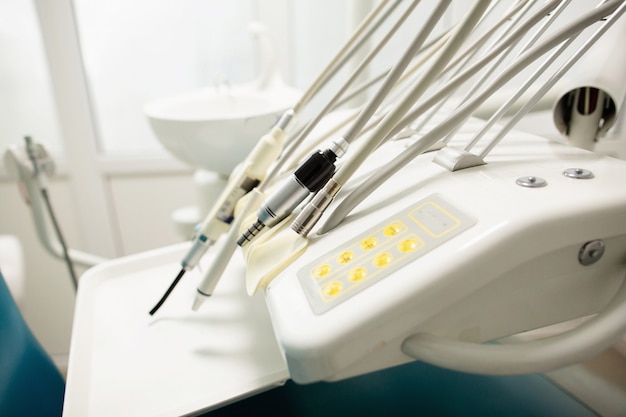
{"x": 214, "y": 129}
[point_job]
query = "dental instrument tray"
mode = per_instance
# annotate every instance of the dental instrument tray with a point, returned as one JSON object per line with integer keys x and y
{"x": 127, "y": 363}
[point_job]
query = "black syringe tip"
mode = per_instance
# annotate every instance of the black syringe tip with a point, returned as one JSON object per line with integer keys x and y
{"x": 167, "y": 293}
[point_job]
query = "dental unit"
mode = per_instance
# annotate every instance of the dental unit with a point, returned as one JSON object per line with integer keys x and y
{"x": 405, "y": 229}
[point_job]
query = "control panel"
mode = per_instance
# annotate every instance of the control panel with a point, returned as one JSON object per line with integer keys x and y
{"x": 375, "y": 254}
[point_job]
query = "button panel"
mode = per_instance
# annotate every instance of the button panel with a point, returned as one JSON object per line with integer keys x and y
{"x": 387, "y": 247}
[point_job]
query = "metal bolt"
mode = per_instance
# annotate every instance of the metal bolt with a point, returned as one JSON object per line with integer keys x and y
{"x": 591, "y": 252}
{"x": 531, "y": 182}
{"x": 578, "y": 173}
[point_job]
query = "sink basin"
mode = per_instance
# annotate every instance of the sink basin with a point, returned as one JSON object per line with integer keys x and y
{"x": 215, "y": 128}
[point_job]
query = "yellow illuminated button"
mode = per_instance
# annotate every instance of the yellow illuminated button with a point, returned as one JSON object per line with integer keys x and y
{"x": 357, "y": 274}
{"x": 407, "y": 245}
{"x": 382, "y": 260}
{"x": 392, "y": 230}
{"x": 369, "y": 243}
{"x": 345, "y": 257}
{"x": 333, "y": 288}
{"x": 322, "y": 270}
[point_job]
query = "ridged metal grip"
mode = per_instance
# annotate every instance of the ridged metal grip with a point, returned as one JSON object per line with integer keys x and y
{"x": 249, "y": 234}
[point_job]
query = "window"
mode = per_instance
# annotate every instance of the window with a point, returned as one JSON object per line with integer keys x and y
{"x": 26, "y": 102}
{"x": 141, "y": 50}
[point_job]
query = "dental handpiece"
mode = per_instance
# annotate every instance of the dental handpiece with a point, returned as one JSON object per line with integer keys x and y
{"x": 243, "y": 180}
{"x": 310, "y": 176}
{"x": 216, "y": 223}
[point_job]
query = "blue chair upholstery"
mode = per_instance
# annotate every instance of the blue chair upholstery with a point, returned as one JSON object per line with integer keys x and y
{"x": 414, "y": 389}
{"x": 30, "y": 383}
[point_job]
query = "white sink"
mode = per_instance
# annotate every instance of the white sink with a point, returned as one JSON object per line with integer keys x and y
{"x": 215, "y": 128}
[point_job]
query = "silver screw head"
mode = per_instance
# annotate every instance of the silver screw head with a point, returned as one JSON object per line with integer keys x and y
{"x": 531, "y": 182}
{"x": 591, "y": 252}
{"x": 578, "y": 173}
